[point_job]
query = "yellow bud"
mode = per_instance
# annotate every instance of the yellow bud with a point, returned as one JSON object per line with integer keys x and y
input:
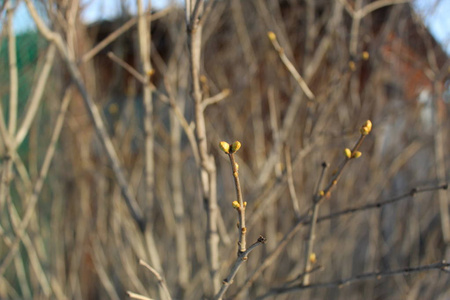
{"x": 272, "y": 36}
{"x": 357, "y": 154}
{"x": 245, "y": 203}
{"x": 236, "y": 204}
{"x": 225, "y": 147}
{"x": 321, "y": 193}
{"x": 366, "y": 128}
{"x": 365, "y": 55}
{"x": 236, "y": 166}
{"x": 151, "y": 72}
{"x": 348, "y": 153}
{"x": 352, "y": 65}
{"x": 235, "y": 146}
{"x": 313, "y": 258}
{"x": 368, "y": 125}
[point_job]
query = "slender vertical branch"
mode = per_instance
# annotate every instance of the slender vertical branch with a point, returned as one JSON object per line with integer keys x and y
{"x": 36, "y": 96}
{"x": 354, "y": 33}
{"x": 177, "y": 194}
{"x": 8, "y": 132}
{"x": 318, "y": 197}
{"x": 439, "y": 160}
{"x": 207, "y": 165}
{"x": 144, "y": 51}
{"x": 240, "y": 206}
{"x": 309, "y": 258}
{"x": 13, "y": 74}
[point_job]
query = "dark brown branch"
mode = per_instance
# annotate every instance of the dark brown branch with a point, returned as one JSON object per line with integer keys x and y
{"x": 411, "y": 193}
{"x": 359, "y": 277}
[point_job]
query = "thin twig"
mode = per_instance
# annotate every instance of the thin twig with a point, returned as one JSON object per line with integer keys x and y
{"x": 36, "y": 97}
{"x": 217, "y": 98}
{"x": 290, "y": 180}
{"x": 119, "y": 31}
{"x": 312, "y": 229}
{"x": 301, "y": 82}
{"x": 137, "y": 296}
{"x": 184, "y": 123}
{"x": 127, "y": 67}
{"x": 380, "y": 204}
{"x": 13, "y": 73}
{"x": 242, "y": 205}
{"x": 301, "y": 275}
{"x": 365, "y": 276}
{"x": 237, "y": 264}
{"x": 371, "y": 7}
{"x": 161, "y": 280}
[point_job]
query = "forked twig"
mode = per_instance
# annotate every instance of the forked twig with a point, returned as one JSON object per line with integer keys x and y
{"x": 161, "y": 280}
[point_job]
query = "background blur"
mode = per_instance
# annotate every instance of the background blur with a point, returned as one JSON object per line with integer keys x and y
{"x": 361, "y": 59}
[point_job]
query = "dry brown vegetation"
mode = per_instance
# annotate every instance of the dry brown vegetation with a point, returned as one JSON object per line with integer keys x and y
{"x": 113, "y": 183}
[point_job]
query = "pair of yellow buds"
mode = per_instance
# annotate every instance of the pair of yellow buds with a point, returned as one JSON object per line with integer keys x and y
{"x": 366, "y": 128}
{"x": 228, "y": 149}
{"x": 348, "y": 153}
{"x": 236, "y": 204}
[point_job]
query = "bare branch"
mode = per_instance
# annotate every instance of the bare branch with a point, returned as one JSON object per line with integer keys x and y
{"x": 301, "y": 82}
{"x": 365, "y": 276}
{"x": 161, "y": 280}
{"x": 13, "y": 74}
{"x": 121, "y": 30}
{"x": 239, "y": 261}
{"x": 36, "y": 97}
{"x": 215, "y": 99}
{"x": 137, "y": 296}
{"x": 127, "y": 67}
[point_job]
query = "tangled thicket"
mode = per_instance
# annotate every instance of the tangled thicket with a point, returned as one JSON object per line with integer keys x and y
{"x": 292, "y": 81}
